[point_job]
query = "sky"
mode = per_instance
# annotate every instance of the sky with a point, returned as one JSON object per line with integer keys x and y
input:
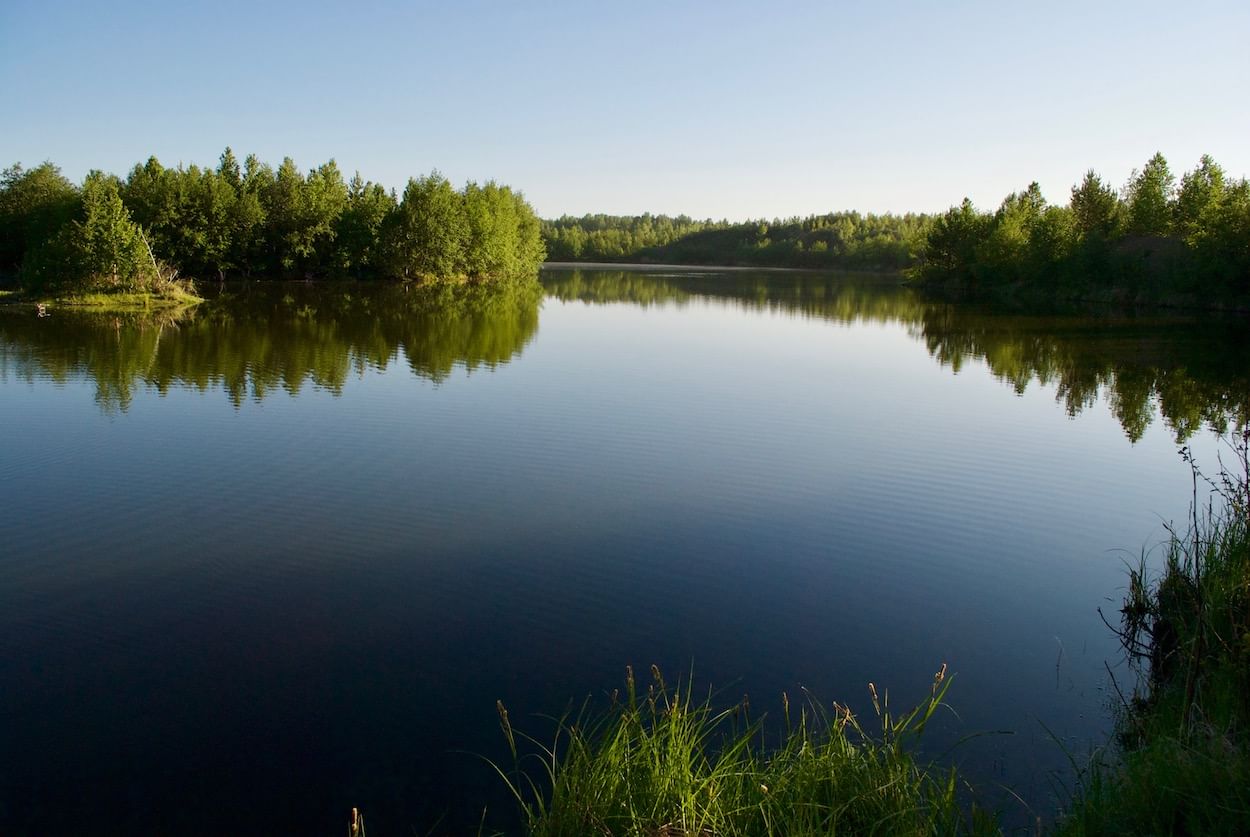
{"x": 712, "y": 109}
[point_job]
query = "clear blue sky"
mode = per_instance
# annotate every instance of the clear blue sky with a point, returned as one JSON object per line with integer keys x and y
{"x": 720, "y": 109}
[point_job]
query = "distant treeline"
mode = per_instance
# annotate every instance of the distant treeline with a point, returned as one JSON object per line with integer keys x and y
{"x": 253, "y": 220}
{"x": 837, "y": 240}
{"x": 1152, "y": 240}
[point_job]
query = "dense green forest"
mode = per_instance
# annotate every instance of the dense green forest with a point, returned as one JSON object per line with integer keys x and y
{"x": 249, "y": 219}
{"x": 837, "y": 240}
{"x": 1153, "y": 240}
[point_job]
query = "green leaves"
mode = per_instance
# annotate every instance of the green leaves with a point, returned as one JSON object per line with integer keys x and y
{"x": 1153, "y": 242}
{"x": 437, "y": 232}
{"x": 252, "y": 219}
{"x": 1148, "y": 197}
{"x": 34, "y": 205}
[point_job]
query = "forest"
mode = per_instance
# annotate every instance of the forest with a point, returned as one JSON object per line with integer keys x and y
{"x": 1153, "y": 240}
{"x": 847, "y": 240}
{"x": 140, "y": 233}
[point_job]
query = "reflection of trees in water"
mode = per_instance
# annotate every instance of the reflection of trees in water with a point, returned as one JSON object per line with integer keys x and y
{"x": 1196, "y": 373}
{"x": 261, "y": 338}
{"x": 845, "y": 297}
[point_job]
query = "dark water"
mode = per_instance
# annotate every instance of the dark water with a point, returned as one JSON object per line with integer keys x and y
{"x": 279, "y": 557}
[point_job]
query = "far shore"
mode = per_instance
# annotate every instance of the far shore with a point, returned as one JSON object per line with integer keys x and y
{"x": 712, "y": 268}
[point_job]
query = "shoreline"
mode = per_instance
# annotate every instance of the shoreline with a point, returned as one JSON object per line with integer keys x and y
{"x": 712, "y": 268}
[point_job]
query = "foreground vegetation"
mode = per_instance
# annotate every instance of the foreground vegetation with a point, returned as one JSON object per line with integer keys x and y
{"x": 1152, "y": 241}
{"x": 662, "y": 763}
{"x": 140, "y": 234}
{"x": 1183, "y": 739}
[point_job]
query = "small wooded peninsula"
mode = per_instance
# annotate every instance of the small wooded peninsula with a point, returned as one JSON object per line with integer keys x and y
{"x": 139, "y": 235}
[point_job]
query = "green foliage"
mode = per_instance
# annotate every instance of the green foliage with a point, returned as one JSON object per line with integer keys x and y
{"x": 953, "y": 242}
{"x": 104, "y": 250}
{"x": 111, "y": 249}
{"x": 251, "y": 220}
{"x": 426, "y": 236}
{"x": 1051, "y": 238}
{"x": 1190, "y": 245}
{"x": 34, "y": 205}
{"x": 1148, "y": 197}
{"x": 838, "y": 240}
{"x": 1000, "y": 254}
{"x": 1095, "y": 208}
{"x": 359, "y": 227}
{"x": 189, "y": 213}
{"x": 228, "y": 169}
{"x": 660, "y": 762}
{"x": 1184, "y": 740}
{"x": 1198, "y": 199}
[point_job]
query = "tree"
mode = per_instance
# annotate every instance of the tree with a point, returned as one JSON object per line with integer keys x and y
{"x": 110, "y": 248}
{"x": 952, "y": 243}
{"x": 300, "y": 214}
{"x": 358, "y": 228}
{"x": 1149, "y": 196}
{"x": 1005, "y": 248}
{"x": 426, "y": 236}
{"x": 34, "y": 205}
{"x": 325, "y": 198}
{"x": 1050, "y": 241}
{"x": 530, "y": 250}
{"x": 228, "y": 169}
{"x": 493, "y": 245}
{"x": 1094, "y": 208}
{"x": 102, "y": 250}
{"x": 252, "y": 250}
{"x": 283, "y": 212}
{"x": 1201, "y": 191}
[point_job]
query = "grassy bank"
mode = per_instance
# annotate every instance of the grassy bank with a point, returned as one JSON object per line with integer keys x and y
{"x": 1181, "y": 761}
{"x": 180, "y": 295}
{"x": 660, "y": 762}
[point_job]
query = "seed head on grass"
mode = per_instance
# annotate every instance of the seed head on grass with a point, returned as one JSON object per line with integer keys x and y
{"x": 691, "y": 769}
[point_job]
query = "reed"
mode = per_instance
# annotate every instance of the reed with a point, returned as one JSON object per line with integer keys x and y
{"x": 1181, "y": 760}
{"x": 660, "y": 762}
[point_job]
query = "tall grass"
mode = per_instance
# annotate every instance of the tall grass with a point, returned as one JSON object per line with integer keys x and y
{"x": 1182, "y": 762}
{"x": 661, "y": 763}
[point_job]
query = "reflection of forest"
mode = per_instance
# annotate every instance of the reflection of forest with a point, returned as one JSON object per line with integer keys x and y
{"x": 262, "y": 337}
{"x": 257, "y": 338}
{"x": 1196, "y": 372}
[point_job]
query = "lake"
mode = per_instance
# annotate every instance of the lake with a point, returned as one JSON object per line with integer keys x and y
{"x": 278, "y": 556}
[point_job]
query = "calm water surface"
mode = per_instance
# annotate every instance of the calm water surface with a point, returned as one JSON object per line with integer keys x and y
{"x": 280, "y": 556}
